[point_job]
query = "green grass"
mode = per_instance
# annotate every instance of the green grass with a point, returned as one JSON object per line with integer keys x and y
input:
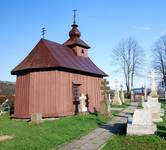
{"x": 162, "y": 125}
{"x": 47, "y": 135}
{"x": 148, "y": 142}
{"x": 152, "y": 142}
{"x": 123, "y": 106}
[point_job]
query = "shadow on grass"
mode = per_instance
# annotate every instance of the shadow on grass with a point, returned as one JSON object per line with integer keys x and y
{"x": 93, "y": 113}
{"x": 161, "y": 132}
{"x": 99, "y": 122}
{"x": 161, "y": 127}
{"x": 119, "y": 115}
{"x": 126, "y": 104}
{"x": 163, "y": 101}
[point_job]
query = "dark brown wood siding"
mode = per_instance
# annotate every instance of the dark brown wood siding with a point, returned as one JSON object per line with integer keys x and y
{"x": 50, "y": 92}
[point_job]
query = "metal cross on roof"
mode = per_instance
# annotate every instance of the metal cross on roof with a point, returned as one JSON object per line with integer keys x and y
{"x": 75, "y": 10}
{"x": 43, "y": 32}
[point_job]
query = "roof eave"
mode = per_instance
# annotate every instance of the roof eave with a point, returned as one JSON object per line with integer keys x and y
{"x": 28, "y": 70}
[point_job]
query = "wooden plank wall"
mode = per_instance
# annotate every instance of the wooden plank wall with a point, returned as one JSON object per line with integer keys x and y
{"x": 51, "y": 92}
{"x": 21, "y": 102}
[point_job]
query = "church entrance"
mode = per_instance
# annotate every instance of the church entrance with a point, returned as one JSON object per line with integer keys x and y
{"x": 76, "y": 94}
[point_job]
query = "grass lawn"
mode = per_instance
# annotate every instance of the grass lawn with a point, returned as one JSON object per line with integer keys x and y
{"x": 47, "y": 135}
{"x": 148, "y": 142}
{"x": 123, "y": 106}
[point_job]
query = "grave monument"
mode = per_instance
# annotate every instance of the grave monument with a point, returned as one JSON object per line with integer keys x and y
{"x": 116, "y": 100}
{"x": 141, "y": 123}
{"x": 122, "y": 94}
{"x": 152, "y": 103}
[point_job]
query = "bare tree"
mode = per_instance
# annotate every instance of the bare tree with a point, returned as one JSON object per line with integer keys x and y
{"x": 159, "y": 58}
{"x": 129, "y": 56}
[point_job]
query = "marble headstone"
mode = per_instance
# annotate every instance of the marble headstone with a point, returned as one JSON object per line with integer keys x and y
{"x": 116, "y": 100}
{"x": 153, "y": 84}
{"x": 141, "y": 124}
{"x": 152, "y": 101}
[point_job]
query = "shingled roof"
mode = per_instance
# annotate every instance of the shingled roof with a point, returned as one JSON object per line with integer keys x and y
{"x": 49, "y": 55}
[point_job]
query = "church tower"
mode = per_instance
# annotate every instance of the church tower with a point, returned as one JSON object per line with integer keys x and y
{"x": 79, "y": 46}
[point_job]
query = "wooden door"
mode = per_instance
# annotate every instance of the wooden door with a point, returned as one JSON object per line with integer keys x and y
{"x": 76, "y": 94}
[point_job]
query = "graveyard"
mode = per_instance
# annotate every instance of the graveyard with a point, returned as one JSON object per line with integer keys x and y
{"x": 146, "y": 128}
{"x": 148, "y": 142}
{"x": 52, "y": 134}
{"x": 83, "y": 75}
{"x": 122, "y": 122}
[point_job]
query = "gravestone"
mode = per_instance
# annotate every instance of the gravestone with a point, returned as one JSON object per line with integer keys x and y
{"x": 122, "y": 94}
{"x": 36, "y": 118}
{"x": 145, "y": 93}
{"x": 132, "y": 94}
{"x": 116, "y": 100}
{"x": 155, "y": 107}
{"x": 141, "y": 123}
{"x": 82, "y": 106}
{"x": 109, "y": 98}
{"x": 152, "y": 101}
{"x": 153, "y": 84}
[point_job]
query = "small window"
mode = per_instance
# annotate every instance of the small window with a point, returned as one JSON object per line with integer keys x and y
{"x": 82, "y": 51}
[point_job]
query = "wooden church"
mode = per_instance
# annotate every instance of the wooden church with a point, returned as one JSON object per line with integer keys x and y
{"x": 51, "y": 78}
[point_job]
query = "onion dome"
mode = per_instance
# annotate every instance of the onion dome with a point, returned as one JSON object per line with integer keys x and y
{"x": 74, "y": 32}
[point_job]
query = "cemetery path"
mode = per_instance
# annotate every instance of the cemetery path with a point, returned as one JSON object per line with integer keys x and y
{"x": 98, "y": 137}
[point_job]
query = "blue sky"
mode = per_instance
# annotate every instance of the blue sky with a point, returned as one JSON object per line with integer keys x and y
{"x": 103, "y": 23}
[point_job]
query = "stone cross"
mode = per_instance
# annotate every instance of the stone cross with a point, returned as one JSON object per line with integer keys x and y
{"x": 153, "y": 83}
{"x": 108, "y": 106}
{"x": 145, "y": 92}
{"x": 116, "y": 100}
{"x": 109, "y": 97}
{"x": 82, "y": 105}
{"x": 117, "y": 85}
{"x": 122, "y": 94}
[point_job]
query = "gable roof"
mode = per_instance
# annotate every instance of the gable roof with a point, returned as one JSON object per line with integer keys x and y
{"x": 48, "y": 55}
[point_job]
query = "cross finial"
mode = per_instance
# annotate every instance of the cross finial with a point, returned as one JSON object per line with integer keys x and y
{"x": 43, "y": 32}
{"x": 74, "y": 16}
